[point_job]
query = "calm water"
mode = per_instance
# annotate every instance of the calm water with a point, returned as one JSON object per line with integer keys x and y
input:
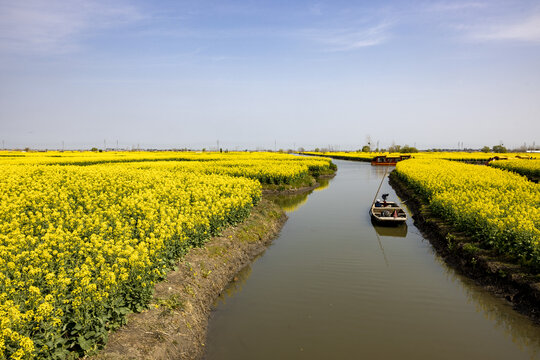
{"x": 333, "y": 286}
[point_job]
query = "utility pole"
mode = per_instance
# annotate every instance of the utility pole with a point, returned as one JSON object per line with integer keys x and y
{"x": 217, "y": 145}
{"x": 116, "y": 144}
{"x": 275, "y": 145}
{"x": 104, "y": 144}
{"x": 62, "y": 145}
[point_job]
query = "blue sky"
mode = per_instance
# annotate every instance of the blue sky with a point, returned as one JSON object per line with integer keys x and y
{"x": 259, "y": 74}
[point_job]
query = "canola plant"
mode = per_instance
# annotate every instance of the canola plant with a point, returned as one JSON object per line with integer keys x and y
{"x": 527, "y": 167}
{"x": 500, "y": 209}
{"x": 446, "y": 155}
{"x": 85, "y": 236}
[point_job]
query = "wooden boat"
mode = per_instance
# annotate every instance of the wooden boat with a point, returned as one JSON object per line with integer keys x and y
{"x": 387, "y": 213}
{"x": 388, "y": 160}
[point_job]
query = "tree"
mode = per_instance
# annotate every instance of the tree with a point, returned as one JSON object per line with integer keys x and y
{"x": 499, "y": 149}
{"x": 408, "y": 149}
{"x": 394, "y": 148}
{"x": 366, "y": 148}
{"x": 368, "y": 140}
{"x": 485, "y": 149}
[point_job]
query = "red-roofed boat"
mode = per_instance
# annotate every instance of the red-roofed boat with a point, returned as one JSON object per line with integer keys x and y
{"x": 388, "y": 160}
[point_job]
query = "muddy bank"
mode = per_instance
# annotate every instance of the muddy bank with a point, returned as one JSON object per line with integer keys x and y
{"x": 495, "y": 272}
{"x": 175, "y": 325}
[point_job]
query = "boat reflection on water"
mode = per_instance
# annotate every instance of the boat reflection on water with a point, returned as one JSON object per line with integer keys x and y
{"x": 385, "y": 231}
{"x": 393, "y": 231}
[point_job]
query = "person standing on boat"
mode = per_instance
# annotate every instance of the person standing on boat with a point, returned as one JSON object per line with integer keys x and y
{"x": 384, "y": 196}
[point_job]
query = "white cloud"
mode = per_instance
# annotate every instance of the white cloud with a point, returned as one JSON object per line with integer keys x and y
{"x": 455, "y": 6}
{"x": 56, "y": 26}
{"x": 348, "y": 39}
{"x": 526, "y": 30}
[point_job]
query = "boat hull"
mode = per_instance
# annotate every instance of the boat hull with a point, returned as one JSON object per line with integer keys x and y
{"x": 390, "y": 215}
{"x": 388, "y": 160}
{"x": 387, "y": 221}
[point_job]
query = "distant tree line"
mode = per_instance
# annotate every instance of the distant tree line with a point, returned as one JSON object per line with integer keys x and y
{"x": 495, "y": 149}
{"x": 393, "y": 149}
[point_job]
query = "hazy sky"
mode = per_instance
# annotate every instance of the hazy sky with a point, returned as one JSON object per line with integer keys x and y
{"x": 259, "y": 74}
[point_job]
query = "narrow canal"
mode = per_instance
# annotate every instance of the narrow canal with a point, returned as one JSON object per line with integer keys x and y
{"x": 333, "y": 286}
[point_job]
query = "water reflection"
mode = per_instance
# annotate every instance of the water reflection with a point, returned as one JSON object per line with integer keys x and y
{"x": 393, "y": 231}
{"x": 381, "y": 170}
{"x": 291, "y": 203}
{"x": 517, "y": 327}
{"x": 235, "y": 285}
{"x": 334, "y": 286}
{"x": 323, "y": 184}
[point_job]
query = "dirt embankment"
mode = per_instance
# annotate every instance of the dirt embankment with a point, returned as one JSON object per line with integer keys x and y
{"x": 495, "y": 272}
{"x": 175, "y": 325}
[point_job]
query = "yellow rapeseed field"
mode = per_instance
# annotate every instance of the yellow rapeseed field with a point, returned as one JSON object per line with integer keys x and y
{"x": 521, "y": 166}
{"x": 457, "y": 155}
{"x": 84, "y": 238}
{"x": 498, "y": 208}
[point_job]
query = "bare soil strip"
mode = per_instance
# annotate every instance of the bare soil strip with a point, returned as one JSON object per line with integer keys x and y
{"x": 175, "y": 325}
{"x": 495, "y": 272}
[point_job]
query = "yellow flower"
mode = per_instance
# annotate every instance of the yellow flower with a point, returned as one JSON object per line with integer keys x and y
{"x": 83, "y": 231}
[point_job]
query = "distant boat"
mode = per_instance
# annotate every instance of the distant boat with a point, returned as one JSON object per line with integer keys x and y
{"x": 387, "y": 212}
{"x": 388, "y": 160}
